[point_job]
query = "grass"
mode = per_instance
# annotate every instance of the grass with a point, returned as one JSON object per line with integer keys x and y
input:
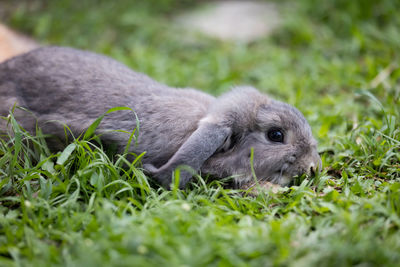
{"x": 337, "y": 61}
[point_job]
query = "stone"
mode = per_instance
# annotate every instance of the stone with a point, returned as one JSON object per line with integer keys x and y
{"x": 244, "y": 21}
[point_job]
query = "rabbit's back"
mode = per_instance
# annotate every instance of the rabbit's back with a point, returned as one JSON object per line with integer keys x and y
{"x": 75, "y": 87}
{"x": 73, "y": 78}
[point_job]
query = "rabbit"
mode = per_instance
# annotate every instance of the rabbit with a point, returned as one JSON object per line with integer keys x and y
{"x": 177, "y": 127}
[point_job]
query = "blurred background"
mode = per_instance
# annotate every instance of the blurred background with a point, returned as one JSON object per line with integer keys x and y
{"x": 321, "y": 56}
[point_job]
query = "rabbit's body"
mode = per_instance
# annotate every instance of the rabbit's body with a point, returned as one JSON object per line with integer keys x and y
{"x": 76, "y": 94}
{"x": 176, "y": 126}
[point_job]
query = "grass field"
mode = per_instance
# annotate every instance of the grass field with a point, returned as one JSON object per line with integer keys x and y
{"x": 337, "y": 61}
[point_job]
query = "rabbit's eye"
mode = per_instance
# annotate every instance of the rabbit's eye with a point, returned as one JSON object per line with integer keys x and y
{"x": 275, "y": 135}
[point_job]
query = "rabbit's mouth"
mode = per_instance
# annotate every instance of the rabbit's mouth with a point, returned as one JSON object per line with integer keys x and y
{"x": 282, "y": 176}
{"x": 271, "y": 182}
{"x": 286, "y": 175}
{"x": 278, "y": 178}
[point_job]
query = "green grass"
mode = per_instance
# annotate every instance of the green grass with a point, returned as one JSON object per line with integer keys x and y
{"x": 337, "y": 61}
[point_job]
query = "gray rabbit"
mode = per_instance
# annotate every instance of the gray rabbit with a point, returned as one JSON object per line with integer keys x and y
{"x": 216, "y": 136}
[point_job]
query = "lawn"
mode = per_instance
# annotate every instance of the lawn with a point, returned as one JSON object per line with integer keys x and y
{"x": 337, "y": 61}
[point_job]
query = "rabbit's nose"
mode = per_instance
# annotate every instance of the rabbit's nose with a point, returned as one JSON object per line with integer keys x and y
{"x": 312, "y": 168}
{"x": 315, "y": 165}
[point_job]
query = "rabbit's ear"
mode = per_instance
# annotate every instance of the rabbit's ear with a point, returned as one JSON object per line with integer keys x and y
{"x": 201, "y": 145}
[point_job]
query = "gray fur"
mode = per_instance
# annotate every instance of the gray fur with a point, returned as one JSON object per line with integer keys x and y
{"x": 177, "y": 126}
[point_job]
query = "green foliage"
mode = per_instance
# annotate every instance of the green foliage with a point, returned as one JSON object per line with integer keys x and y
{"x": 337, "y": 61}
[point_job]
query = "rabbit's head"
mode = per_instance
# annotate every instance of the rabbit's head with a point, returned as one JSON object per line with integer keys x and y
{"x": 267, "y": 136}
{"x": 245, "y": 131}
